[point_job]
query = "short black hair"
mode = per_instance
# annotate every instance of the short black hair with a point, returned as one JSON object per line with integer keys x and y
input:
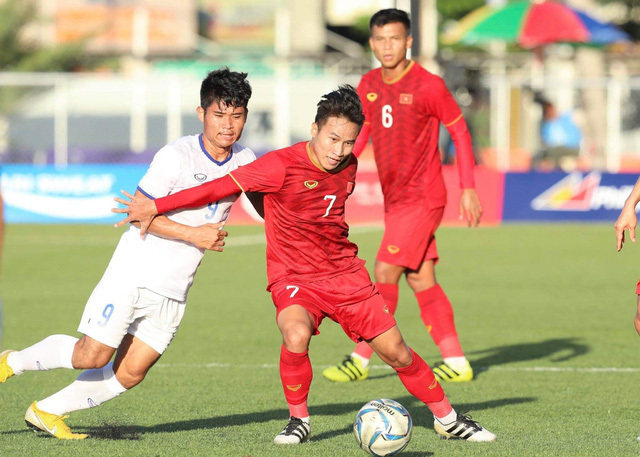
{"x": 389, "y": 16}
{"x": 343, "y": 102}
{"x": 226, "y": 87}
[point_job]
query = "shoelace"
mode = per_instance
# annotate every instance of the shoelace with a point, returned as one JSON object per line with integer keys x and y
{"x": 293, "y": 425}
{"x": 466, "y": 418}
{"x": 347, "y": 359}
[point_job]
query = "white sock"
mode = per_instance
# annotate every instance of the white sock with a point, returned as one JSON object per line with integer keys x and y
{"x": 456, "y": 362}
{"x": 91, "y": 388}
{"x": 452, "y": 416}
{"x": 365, "y": 362}
{"x": 54, "y": 351}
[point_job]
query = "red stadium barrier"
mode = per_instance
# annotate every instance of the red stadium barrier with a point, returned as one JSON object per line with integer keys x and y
{"x": 365, "y": 206}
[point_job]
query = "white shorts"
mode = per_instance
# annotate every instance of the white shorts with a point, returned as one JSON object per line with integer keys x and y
{"x": 112, "y": 312}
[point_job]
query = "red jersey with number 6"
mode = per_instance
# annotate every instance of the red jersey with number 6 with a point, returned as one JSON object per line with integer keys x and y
{"x": 304, "y": 213}
{"x": 404, "y": 118}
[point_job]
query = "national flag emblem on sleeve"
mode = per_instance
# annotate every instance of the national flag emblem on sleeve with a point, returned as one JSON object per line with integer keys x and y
{"x": 350, "y": 187}
{"x": 406, "y": 99}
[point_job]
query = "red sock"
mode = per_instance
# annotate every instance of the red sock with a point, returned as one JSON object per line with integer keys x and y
{"x": 422, "y": 384}
{"x": 389, "y": 293}
{"x": 437, "y": 315}
{"x": 296, "y": 374}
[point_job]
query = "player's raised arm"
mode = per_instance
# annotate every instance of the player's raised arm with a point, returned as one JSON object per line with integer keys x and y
{"x": 628, "y": 219}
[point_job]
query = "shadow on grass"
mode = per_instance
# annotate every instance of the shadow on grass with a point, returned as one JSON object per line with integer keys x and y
{"x": 553, "y": 350}
{"x": 421, "y": 416}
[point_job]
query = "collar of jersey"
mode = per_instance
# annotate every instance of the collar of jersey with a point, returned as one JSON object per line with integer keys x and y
{"x": 318, "y": 166}
{"x": 398, "y": 78}
{"x": 209, "y": 156}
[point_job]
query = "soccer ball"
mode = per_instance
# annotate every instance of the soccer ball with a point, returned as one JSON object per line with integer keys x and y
{"x": 383, "y": 427}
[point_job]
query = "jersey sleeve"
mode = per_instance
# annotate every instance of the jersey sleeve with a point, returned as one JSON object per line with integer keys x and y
{"x": 365, "y": 132}
{"x": 265, "y": 175}
{"x": 160, "y": 178}
{"x": 441, "y": 104}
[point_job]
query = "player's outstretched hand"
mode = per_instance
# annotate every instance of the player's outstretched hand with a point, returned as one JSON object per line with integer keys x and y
{"x": 470, "y": 207}
{"x": 138, "y": 208}
{"x": 209, "y": 236}
{"x": 626, "y": 221}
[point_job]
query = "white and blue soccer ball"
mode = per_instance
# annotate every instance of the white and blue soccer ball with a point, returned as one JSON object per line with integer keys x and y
{"x": 383, "y": 427}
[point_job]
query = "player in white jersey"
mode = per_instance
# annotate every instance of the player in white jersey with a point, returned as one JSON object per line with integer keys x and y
{"x": 138, "y": 304}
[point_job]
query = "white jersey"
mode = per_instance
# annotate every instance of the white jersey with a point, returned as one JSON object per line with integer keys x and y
{"x": 167, "y": 267}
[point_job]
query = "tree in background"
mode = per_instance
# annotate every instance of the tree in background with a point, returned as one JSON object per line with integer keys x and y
{"x": 21, "y": 54}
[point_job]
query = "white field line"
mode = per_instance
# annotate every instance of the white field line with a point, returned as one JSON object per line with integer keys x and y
{"x": 385, "y": 367}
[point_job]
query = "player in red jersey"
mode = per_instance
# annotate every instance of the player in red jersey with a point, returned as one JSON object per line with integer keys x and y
{"x": 404, "y": 105}
{"x": 313, "y": 269}
{"x": 628, "y": 221}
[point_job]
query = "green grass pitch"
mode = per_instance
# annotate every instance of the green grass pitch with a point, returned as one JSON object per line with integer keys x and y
{"x": 544, "y": 313}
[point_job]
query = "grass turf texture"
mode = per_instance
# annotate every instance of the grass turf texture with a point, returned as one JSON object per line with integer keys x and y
{"x": 544, "y": 314}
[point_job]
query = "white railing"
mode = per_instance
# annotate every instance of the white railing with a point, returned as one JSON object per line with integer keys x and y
{"x": 61, "y": 113}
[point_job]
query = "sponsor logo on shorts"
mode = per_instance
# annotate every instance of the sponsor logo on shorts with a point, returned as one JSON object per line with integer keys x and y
{"x": 372, "y": 96}
{"x": 310, "y": 184}
{"x": 393, "y": 249}
{"x": 294, "y": 388}
{"x": 434, "y": 384}
{"x": 200, "y": 177}
{"x": 406, "y": 99}
{"x": 385, "y": 309}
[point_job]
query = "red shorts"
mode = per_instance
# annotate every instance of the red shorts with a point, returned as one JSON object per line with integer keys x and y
{"x": 351, "y": 300}
{"x": 409, "y": 236}
{"x": 638, "y": 288}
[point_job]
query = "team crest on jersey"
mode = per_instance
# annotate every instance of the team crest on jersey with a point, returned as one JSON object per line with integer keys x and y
{"x": 393, "y": 249}
{"x": 200, "y": 177}
{"x": 406, "y": 99}
{"x": 310, "y": 184}
{"x": 350, "y": 187}
{"x": 372, "y": 96}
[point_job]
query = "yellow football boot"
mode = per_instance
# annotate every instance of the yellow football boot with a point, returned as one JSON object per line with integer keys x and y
{"x": 448, "y": 373}
{"x": 50, "y": 423}
{"x": 350, "y": 369}
{"x": 5, "y": 370}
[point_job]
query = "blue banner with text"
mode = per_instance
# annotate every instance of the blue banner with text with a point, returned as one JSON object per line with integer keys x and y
{"x": 558, "y": 196}
{"x": 73, "y": 194}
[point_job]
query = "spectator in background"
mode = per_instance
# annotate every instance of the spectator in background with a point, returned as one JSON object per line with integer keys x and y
{"x": 560, "y": 138}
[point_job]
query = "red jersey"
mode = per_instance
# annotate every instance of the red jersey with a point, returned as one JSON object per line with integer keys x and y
{"x": 403, "y": 116}
{"x": 304, "y": 211}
